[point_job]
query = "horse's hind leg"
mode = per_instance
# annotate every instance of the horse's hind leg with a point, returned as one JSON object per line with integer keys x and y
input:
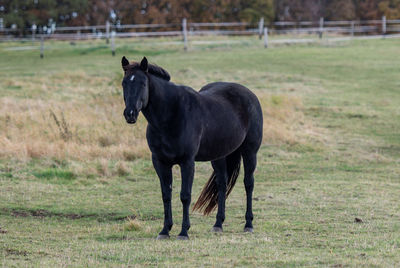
{"x": 219, "y": 167}
{"x": 249, "y": 162}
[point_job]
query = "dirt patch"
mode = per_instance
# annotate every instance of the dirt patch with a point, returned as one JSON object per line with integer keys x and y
{"x": 41, "y": 213}
{"x": 358, "y": 220}
{"x": 11, "y": 251}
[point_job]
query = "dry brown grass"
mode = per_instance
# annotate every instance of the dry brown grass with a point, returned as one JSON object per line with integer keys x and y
{"x": 133, "y": 224}
{"x": 285, "y": 122}
{"x": 282, "y": 117}
{"x": 33, "y": 129}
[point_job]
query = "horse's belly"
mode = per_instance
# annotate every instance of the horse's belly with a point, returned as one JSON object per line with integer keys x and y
{"x": 219, "y": 146}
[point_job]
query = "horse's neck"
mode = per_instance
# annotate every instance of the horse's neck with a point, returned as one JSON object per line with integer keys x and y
{"x": 162, "y": 100}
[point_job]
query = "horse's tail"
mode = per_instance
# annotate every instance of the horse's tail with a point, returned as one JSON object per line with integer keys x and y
{"x": 208, "y": 198}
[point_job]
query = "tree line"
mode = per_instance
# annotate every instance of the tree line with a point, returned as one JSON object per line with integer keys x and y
{"x": 22, "y": 14}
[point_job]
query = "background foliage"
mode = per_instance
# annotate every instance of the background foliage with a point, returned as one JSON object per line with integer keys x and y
{"x": 24, "y": 13}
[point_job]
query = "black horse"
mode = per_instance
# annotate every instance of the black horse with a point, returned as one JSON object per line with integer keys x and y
{"x": 221, "y": 123}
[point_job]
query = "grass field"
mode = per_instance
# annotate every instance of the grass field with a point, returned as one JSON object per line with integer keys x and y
{"x": 77, "y": 187}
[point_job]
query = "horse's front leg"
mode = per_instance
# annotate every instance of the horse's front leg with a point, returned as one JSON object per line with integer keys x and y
{"x": 187, "y": 172}
{"x": 164, "y": 172}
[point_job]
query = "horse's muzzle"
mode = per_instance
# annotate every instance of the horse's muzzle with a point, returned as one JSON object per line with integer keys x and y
{"x": 130, "y": 116}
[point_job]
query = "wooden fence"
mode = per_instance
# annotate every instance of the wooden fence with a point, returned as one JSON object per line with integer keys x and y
{"x": 382, "y": 26}
{"x": 188, "y": 29}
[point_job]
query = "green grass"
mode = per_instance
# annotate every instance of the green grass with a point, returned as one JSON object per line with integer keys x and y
{"x": 326, "y": 194}
{"x": 53, "y": 173}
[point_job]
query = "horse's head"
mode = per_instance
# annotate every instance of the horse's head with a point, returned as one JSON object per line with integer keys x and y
{"x": 136, "y": 88}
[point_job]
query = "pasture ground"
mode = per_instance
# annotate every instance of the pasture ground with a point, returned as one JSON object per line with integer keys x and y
{"x": 77, "y": 187}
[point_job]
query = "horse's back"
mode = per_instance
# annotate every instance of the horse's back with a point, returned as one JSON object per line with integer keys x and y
{"x": 240, "y": 97}
{"x": 227, "y": 90}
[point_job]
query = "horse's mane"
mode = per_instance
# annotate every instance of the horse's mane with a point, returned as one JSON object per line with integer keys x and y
{"x": 153, "y": 69}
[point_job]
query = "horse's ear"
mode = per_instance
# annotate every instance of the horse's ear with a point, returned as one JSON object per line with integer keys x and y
{"x": 124, "y": 62}
{"x": 144, "y": 64}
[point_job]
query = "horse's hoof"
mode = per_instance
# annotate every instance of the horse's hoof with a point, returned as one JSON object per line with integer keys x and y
{"x": 162, "y": 237}
{"x": 182, "y": 237}
{"x": 216, "y": 229}
{"x": 248, "y": 230}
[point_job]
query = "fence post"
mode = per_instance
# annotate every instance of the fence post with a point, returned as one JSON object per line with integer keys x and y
{"x": 41, "y": 46}
{"x": 265, "y": 37}
{"x": 383, "y": 24}
{"x": 260, "y": 28}
{"x": 113, "y": 43}
{"x": 321, "y": 27}
{"x": 352, "y": 28}
{"x": 34, "y": 27}
{"x": 184, "y": 32}
{"x": 107, "y": 32}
